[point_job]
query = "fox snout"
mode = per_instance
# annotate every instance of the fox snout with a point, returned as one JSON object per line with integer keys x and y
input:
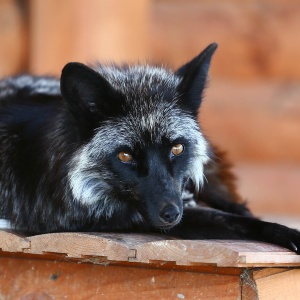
{"x": 170, "y": 214}
{"x": 160, "y": 198}
{"x": 164, "y": 214}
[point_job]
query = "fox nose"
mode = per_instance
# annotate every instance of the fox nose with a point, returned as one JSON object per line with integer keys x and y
{"x": 169, "y": 214}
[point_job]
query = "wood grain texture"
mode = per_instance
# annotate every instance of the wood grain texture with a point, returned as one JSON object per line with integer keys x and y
{"x": 41, "y": 279}
{"x": 146, "y": 249}
{"x": 78, "y": 245}
{"x": 136, "y": 266}
{"x": 277, "y": 284}
{"x": 12, "y": 242}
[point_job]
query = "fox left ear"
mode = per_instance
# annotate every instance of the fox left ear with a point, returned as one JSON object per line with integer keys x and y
{"x": 193, "y": 79}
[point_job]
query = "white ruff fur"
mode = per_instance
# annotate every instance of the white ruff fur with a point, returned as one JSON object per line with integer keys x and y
{"x": 87, "y": 179}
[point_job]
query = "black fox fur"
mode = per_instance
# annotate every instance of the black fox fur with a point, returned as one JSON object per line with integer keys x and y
{"x": 118, "y": 148}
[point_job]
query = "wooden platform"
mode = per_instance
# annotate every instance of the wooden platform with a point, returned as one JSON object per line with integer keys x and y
{"x": 133, "y": 266}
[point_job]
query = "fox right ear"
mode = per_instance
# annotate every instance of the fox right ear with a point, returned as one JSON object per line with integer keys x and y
{"x": 87, "y": 94}
{"x": 193, "y": 79}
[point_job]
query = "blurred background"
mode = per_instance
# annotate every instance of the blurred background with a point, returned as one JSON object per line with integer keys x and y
{"x": 252, "y": 105}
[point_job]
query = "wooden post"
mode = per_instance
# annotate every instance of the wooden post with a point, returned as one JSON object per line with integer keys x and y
{"x": 86, "y": 31}
{"x": 13, "y": 38}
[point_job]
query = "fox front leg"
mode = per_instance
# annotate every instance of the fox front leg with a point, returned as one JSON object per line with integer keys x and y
{"x": 206, "y": 223}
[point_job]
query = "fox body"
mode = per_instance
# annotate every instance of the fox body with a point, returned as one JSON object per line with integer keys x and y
{"x": 115, "y": 148}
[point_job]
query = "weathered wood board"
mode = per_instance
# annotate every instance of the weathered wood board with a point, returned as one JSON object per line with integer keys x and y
{"x": 150, "y": 248}
{"x": 135, "y": 266}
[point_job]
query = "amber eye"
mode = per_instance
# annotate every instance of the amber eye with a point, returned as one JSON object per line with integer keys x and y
{"x": 177, "y": 149}
{"x": 125, "y": 157}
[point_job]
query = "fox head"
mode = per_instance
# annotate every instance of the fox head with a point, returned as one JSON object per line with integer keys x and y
{"x": 140, "y": 140}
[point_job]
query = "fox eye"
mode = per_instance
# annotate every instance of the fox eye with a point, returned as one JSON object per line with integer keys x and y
{"x": 177, "y": 149}
{"x": 125, "y": 157}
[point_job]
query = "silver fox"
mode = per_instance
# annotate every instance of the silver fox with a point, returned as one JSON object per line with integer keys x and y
{"x": 119, "y": 148}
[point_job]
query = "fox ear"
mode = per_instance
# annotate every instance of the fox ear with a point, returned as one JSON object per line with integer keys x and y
{"x": 193, "y": 79}
{"x": 87, "y": 93}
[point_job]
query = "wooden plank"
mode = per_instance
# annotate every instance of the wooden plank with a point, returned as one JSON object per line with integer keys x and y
{"x": 150, "y": 248}
{"x": 143, "y": 248}
{"x": 270, "y": 283}
{"x": 221, "y": 253}
{"x": 78, "y": 245}
{"x": 12, "y": 242}
{"x": 42, "y": 279}
{"x": 272, "y": 111}
{"x": 273, "y": 284}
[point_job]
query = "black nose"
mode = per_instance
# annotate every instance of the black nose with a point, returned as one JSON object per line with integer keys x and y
{"x": 169, "y": 214}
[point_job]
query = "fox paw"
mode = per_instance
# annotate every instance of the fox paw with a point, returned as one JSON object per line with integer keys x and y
{"x": 284, "y": 236}
{"x": 293, "y": 240}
